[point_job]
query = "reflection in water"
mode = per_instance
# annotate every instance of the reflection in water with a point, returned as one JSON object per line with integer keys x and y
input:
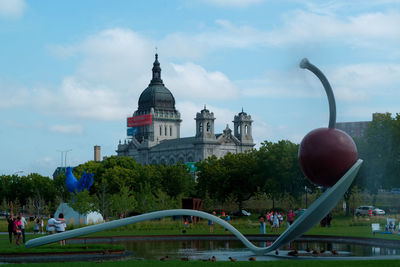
{"x": 204, "y": 249}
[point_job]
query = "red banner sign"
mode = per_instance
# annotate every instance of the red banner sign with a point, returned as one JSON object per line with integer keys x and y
{"x": 139, "y": 120}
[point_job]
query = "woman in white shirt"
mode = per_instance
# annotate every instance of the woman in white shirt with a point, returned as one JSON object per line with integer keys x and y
{"x": 51, "y": 229}
{"x": 61, "y": 226}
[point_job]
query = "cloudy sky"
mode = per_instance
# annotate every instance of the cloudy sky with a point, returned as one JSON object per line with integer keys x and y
{"x": 72, "y": 71}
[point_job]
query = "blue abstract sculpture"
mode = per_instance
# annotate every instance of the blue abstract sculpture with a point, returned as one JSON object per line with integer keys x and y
{"x": 75, "y": 186}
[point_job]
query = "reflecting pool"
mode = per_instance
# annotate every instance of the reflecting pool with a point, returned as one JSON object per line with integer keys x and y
{"x": 222, "y": 250}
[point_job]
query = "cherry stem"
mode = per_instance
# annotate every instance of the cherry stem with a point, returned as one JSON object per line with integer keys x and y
{"x": 305, "y": 64}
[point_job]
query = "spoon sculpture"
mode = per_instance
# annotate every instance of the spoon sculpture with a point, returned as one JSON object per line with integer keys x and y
{"x": 318, "y": 210}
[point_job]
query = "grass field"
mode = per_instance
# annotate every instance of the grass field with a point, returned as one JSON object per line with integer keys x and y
{"x": 341, "y": 226}
{"x": 282, "y": 263}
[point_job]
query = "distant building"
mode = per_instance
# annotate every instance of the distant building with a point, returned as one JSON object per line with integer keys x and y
{"x": 97, "y": 153}
{"x": 154, "y": 130}
{"x": 58, "y": 171}
{"x": 356, "y": 129}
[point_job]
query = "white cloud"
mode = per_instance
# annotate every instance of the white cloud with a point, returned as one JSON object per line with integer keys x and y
{"x": 233, "y": 3}
{"x": 67, "y": 129}
{"x": 304, "y": 27}
{"x": 12, "y": 95}
{"x": 12, "y": 8}
{"x": 191, "y": 81}
{"x": 354, "y": 82}
{"x": 117, "y": 58}
{"x": 286, "y": 83}
{"x": 374, "y": 78}
{"x": 114, "y": 68}
{"x": 373, "y": 30}
{"x": 77, "y": 98}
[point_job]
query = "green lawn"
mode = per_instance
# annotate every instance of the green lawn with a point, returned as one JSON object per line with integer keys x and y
{"x": 341, "y": 226}
{"x": 282, "y": 263}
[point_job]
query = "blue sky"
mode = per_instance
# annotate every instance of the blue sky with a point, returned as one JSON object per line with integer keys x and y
{"x": 72, "y": 71}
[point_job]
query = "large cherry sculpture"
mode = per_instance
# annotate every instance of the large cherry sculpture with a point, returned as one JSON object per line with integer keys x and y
{"x": 326, "y": 154}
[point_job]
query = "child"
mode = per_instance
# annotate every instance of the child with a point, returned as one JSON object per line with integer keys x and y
{"x": 36, "y": 226}
{"x": 211, "y": 224}
{"x": 41, "y": 224}
{"x": 275, "y": 223}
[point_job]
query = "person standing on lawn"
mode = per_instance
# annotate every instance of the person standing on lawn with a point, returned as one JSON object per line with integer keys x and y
{"x": 18, "y": 230}
{"x": 41, "y": 224}
{"x": 61, "y": 226}
{"x": 275, "y": 222}
{"x": 211, "y": 223}
{"x": 36, "y": 228}
{"x": 11, "y": 228}
{"x": 261, "y": 218}
{"x": 51, "y": 229}
{"x": 23, "y": 224}
{"x": 290, "y": 217}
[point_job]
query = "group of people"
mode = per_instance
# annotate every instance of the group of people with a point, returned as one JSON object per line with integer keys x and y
{"x": 38, "y": 225}
{"x": 275, "y": 219}
{"x": 17, "y": 226}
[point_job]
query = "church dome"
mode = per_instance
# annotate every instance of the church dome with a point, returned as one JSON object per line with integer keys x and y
{"x": 156, "y": 95}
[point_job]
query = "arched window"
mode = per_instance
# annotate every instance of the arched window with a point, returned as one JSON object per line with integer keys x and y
{"x": 246, "y": 129}
{"x": 200, "y": 127}
{"x": 165, "y": 132}
{"x": 238, "y": 129}
{"x": 170, "y": 130}
{"x": 160, "y": 130}
{"x": 208, "y": 126}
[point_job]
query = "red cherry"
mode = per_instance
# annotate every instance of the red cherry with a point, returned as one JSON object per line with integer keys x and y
{"x": 326, "y": 154}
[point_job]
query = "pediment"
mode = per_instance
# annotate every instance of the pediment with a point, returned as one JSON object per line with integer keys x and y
{"x": 228, "y": 139}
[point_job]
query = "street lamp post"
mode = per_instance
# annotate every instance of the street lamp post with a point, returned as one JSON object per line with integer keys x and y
{"x": 64, "y": 156}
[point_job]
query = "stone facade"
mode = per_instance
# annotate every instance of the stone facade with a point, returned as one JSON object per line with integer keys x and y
{"x": 160, "y": 141}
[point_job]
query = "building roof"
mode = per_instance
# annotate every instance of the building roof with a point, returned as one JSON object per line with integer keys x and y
{"x": 156, "y": 95}
{"x": 167, "y": 144}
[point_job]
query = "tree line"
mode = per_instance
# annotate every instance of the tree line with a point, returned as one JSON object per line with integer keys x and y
{"x": 121, "y": 185}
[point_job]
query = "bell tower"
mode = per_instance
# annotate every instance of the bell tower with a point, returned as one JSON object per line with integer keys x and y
{"x": 242, "y": 128}
{"x": 205, "y": 125}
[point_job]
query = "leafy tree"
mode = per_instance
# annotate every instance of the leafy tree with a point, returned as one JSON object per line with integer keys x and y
{"x": 278, "y": 164}
{"x": 380, "y": 150}
{"x": 176, "y": 180}
{"x": 226, "y": 176}
{"x": 208, "y": 204}
{"x": 4, "y": 206}
{"x": 146, "y": 201}
{"x": 123, "y": 202}
{"x": 82, "y": 202}
{"x": 103, "y": 198}
{"x": 164, "y": 202}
